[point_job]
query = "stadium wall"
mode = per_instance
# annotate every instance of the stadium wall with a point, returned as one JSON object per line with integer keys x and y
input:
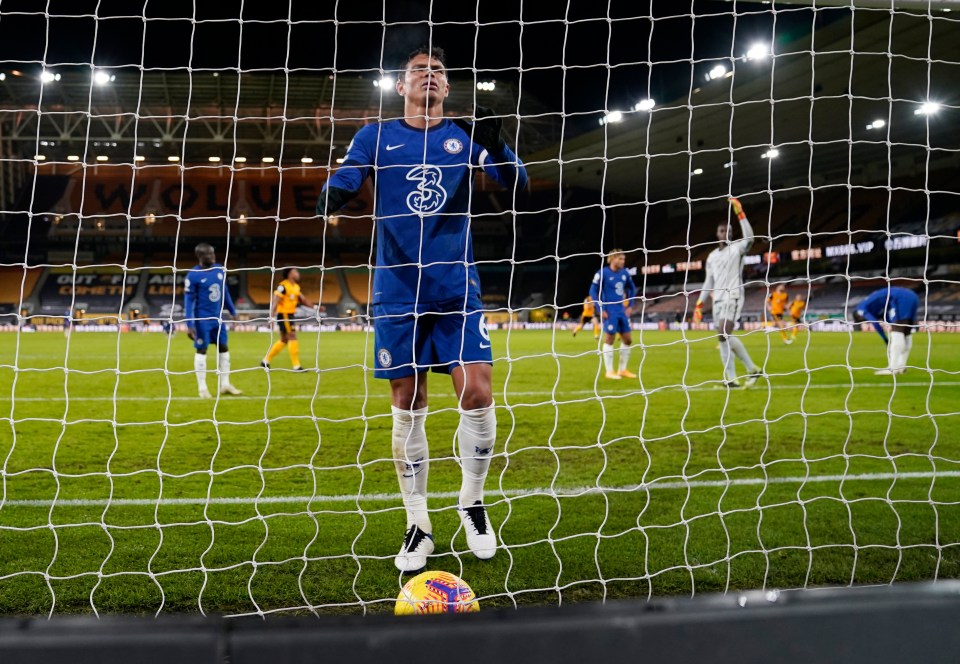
{"x": 867, "y": 625}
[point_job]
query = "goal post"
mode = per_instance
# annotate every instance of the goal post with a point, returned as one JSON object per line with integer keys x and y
{"x": 685, "y": 438}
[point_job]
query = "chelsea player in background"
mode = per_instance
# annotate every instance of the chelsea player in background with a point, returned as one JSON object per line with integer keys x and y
{"x": 426, "y": 293}
{"x": 612, "y": 286}
{"x": 897, "y": 307}
{"x": 205, "y": 296}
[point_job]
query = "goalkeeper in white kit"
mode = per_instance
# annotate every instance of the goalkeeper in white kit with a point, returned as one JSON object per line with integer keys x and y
{"x": 724, "y": 284}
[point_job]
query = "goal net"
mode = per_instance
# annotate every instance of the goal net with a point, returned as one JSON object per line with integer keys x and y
{"x": 685, "y": 437}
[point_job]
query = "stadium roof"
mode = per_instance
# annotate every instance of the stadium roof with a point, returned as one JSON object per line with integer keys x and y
{"x": 812, "y": 102}
{"x": 199, "y": 114}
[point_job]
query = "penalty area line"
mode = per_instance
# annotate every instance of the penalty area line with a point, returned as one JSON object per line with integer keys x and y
{"x": 655, "y": 485}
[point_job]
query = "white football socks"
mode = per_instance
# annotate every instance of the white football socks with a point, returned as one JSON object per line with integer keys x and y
{"x": 727, "y": 359}
{"x": 200, "y": 366}
{"x": 411, "y": 456}
{"x": 223, "y": 367}
{"x": 624, "y": 356}
{"x": 741, "y": 351}
{"x": 477, "y": 434}
{"x": 897, "y": 351}
{"x": 608, "y": 357}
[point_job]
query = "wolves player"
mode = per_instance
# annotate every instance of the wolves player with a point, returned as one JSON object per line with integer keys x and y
{"x": 898, "y": 308}
{"x": 426, "y": 292}
{"x": 205, "y": 296}
{"x": 796, "y": 314}
{"x": 286, "y": 298}
{"x": 589, "y": 313}
{"x": 724, "y": 283}
{"x": 611, "y": 288}
{"x": 777, "y": 305}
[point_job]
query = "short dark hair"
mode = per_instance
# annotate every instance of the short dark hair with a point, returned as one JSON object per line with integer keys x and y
{"x": 435, "y": 53}
{"x": 287, "y": 271}
{"x": 203, "y": 246}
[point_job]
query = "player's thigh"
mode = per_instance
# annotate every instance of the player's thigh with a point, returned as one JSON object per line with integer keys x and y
{"x": 461, "y": 337}
{"x": 399, "y": 343}
{"x": 283, "y": 324}
{"x": 205, "y": 333}
{"x": 473, "y": 384}
{"x": 617, "y": 323}
{"x": 221, "y": 332}
{"x": 728, "y": 308}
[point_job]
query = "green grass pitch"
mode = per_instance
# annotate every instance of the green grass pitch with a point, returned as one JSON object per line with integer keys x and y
{"x": 121, "y": 492}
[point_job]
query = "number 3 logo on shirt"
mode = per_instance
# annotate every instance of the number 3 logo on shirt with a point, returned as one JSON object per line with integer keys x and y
{"x": 214, "y": 292}
{"x": 429, "y": 196}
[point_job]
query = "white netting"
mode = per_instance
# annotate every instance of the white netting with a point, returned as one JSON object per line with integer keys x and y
{"x": 130, "y": 136}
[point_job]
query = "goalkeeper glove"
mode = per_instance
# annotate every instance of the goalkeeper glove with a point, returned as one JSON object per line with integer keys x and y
{"x": 737, "y": 209}
{"x": 486, "y": 130}
{"x": 698, "y": 312}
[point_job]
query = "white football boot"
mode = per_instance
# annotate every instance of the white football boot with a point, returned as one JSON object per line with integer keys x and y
{"x": 481, "y": 539}
{"x": 417, "y": 545}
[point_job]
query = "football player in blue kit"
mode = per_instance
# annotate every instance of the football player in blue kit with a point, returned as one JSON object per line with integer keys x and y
{"x": 205, "y": 296}
{"x": 426, "y": 308}
{"x": 897, "y": 307}
{"x": 613, "y": 289}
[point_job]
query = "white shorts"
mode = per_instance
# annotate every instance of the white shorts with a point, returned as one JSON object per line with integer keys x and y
{"x": 727, "y": 309}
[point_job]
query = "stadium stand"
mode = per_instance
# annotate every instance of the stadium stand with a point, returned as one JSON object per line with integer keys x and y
{"x": 16, "y": 286}
{"x": 319, "y": 287}
{"x": 358, "y": 285}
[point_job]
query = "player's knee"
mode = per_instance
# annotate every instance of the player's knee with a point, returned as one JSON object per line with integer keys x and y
{"x": 476, "y": 398}
{"x": 223, "y": 348}
{"x": 409, "y": 401}
{"x": 408, "y": 396}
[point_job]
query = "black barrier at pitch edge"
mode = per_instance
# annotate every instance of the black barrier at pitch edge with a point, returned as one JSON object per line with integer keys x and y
{"x": 903, "y": 623}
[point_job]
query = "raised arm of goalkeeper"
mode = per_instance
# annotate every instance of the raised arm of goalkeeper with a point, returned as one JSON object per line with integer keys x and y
{"x": 741, "y": 246}
{"x": 746, "y": 230}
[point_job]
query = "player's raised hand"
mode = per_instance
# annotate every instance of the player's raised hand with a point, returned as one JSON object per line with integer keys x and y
{"x": 486, "y": 129}
{"x": 737, "y": 208}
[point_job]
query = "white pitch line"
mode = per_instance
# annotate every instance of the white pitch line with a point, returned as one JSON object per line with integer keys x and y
{"x": 509, "y": 493}
{"x": 534, "y": 393}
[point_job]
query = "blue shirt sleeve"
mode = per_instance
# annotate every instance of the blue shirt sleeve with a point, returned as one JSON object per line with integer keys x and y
{"x": 228, "y": 299}
{"x": 505, "y": 169}
{"x": 872, "y": 313}
{"x": 189, "y": 301}
{"x": 631, "y": 288}
{"x": 354, "y": 170}
{"x": 595, "y": 287}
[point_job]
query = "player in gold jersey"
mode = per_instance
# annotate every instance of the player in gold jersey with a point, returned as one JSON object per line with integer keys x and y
{"x": 589, "y": 314}
{"x": 796, "y": 314}
{"x": 283, "y": 306}
{"x": 777, "y": 304}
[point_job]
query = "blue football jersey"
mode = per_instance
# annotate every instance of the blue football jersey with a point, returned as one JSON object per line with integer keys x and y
{"x": 422, "y": 182}
{"x": 891, "y": 304}
{"x": 610, "y": 288}
{"x": 205, "y": 294}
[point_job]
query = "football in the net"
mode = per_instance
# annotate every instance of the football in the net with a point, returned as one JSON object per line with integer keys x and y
{"x": 436, "y": 592}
